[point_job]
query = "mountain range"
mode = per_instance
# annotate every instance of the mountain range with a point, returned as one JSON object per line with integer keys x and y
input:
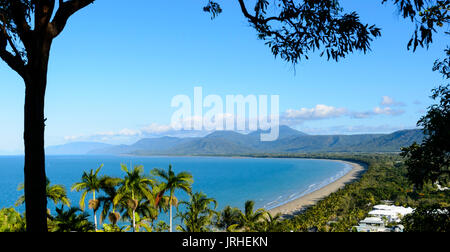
{"x": 233, "y": 143}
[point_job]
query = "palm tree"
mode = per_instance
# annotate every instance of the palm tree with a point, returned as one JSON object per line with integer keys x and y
{"x": 150, "y": 211}
{"x": 250, "y": 218}
{"x": 11, "y": 221}
{"x": 161, "y": 226}
{"x": 144, "y": 215}
{"x": 172, "y": 182}
{"x": 55, "y": 193}
{"x": 134, "y": 187}
{"x": 70, "y": 221}
{"x": 89, "y": 183}
{"x": 270, "y": 224}
{"x": 106, "y": 201}
{"x": 228, "y": 217}
{"x": 199, "y": 215}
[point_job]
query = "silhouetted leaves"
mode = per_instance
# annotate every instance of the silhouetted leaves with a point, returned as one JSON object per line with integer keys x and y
{"x": 294, "y": 29}
{"x": 212, "y": 8}
{"x": 428, "y": 17}
{"x": 430, "y": 161}
{"x": 443, "y": 67}
{"x": 428, "y": 219}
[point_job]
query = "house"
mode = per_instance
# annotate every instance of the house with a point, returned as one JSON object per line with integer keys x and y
{"x": 390, "y": 213}
{"x": 372, "y": 224}
{"x": 381, "y": 216}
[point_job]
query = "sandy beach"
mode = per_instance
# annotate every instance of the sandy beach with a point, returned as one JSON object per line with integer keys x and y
{"x": 296, "y": 206}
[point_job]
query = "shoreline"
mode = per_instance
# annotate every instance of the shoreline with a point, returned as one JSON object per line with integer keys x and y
{"x": 298, "y": 205}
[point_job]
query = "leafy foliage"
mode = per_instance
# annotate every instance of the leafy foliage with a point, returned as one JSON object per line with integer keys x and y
{"x": 133, "y": 188}
{"x": 270, "y": 224}
{"x": 213, "y": 8}
{"x": 385, "y": 178}
{"x": 199, "y": 214}
{"x": 106, "y": 201}
{"x": 428, "y": 17}
{"x": 71, "y": 220}
{"x": 10, "y": 24}
{"x": 171, "y": 182}
{"x": 11, "y": 221}
{"x": 443, "y": 67}
{"x": 228, "y": 217}
{"x": 294, "y": 29}
{"x": 91, "y": 182}
{"x": 55, "y": 193}
{"x": 20, "y": 36}
{"x": 428, "y": 219}
{"x": 161, "y": 226}
{"x": 249, "y": 219}
{"x": 430, "y": 161}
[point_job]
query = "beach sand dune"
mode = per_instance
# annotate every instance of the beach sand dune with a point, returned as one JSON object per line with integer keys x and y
{"x": 296, "y": 206}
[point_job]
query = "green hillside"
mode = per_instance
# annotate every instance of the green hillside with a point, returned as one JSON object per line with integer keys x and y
{"x": 290, "y": 141}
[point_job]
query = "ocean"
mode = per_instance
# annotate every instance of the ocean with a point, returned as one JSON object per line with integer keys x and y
{"x": 269, "y": 182}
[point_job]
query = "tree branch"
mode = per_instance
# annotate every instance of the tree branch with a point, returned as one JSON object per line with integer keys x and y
{"x": 19, "y": 15}
{"x": 43, "y": 13}
{"x": 13, "y": 61}
{"x": 244, "y": 10}
{"x": 306, "y": 26}
{"x": 5, "y": 39}
{"x": 256, "y": 19}
{"x": 64, "y": 12}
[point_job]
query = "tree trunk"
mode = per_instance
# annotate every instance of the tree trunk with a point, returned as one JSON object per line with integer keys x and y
{"x": 170, "y": 205}
{"x": 35, "y": 177}
{"x": 34, "y": 127}
{"x": 95, "y": 220}
{"x": 95, "y": 212}
{"x": 134, "y": 221}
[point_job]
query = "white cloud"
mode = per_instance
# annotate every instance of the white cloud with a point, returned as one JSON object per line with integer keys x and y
{"x": 356, "y": 129}
{"x": 291, "y": 117}
{"x": 377, "y": 111}
{"x": 155, "y": 128}
{"x": 319, "y": 112}
{"x": 362, "y": 115}
{"x": 294, "y": 117}
{"x": 387, "y": 111}
{"x": 389, "y": 101}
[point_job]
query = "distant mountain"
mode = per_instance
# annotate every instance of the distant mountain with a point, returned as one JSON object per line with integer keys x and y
{"x": 284, "y": 132}
{"x": 77, "y": 148}
{"x": 392, "y": 142}
{"x": 152, "y": 145}
{"x": 220, "y": 142}
{"x": 233, "y": 143}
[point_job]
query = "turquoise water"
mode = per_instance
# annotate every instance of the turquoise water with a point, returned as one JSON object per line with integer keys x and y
{"x": 231, "y": 181}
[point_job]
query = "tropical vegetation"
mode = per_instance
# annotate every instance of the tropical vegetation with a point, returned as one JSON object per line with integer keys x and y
{"x": 172, "y": 182}
{"x": 90, "y": 183}
{"x": 136, "y": 201}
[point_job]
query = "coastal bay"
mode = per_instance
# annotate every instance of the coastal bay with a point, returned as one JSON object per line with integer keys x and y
{"x": 296, "y": 206}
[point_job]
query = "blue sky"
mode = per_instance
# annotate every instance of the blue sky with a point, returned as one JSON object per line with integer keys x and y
{"x": 115, "y": 69}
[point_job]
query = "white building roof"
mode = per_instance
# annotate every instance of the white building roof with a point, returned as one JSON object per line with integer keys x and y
{"x": 382, "y": 207}
{"x": 372, "y": 220}
{"x": 383, "y": 213}
{"x": 391, "y": 210}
